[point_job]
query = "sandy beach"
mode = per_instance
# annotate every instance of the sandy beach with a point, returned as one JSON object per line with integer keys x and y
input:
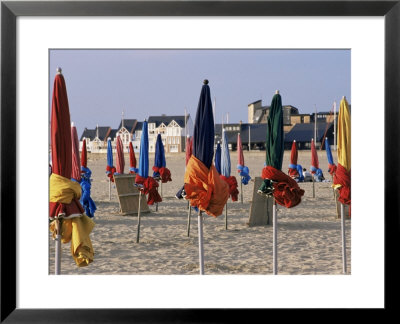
{"x": 309, "y": 235}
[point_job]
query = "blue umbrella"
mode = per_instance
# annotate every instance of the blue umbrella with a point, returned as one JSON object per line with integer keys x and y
{"x": 144, "y": 152}
{"x": 331, "y": 166}
{"x": 217, "y": 159}
{"x": 203, "y": 134}
{"x": 159, "y": 157}
{"x": 110, "y": 168}
{"x": 225, "y": 157}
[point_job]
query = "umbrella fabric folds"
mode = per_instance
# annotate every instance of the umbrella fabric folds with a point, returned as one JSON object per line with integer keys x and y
{"x": 342, "y": 177}
{"x": 149, "y": 185}
{"x": 285, "y": 190}
{"x": 64, "y": 205}
{"x": 217, "y": 158}
{"x": 110, "y": 169}
{"x": 76, "y": 162}
{"x": 160, "y": 171}
{"x": 120, "y": 157}
{"x": 132, "y": 159}
{"x": 226, "y": 169}
{"x": 315, "y": 170}
{"x": 86, "y": 184}
{"x": 203, "y": 186}
{"x": 241, "y": 168}
{"x": 331, "y": 164}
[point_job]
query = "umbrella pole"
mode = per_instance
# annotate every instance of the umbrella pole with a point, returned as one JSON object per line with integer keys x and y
{"x": 343, "y": 238}
{"x": 161, "y": 189}
{"x": 313, "y": 186}
{"x": 275, "y": 237}
{"x": 226, "y": 215}
{"x": 138, "y": 225}
{"x": 201, "y": 252}
{"x": 189, "y": 214}
{"x": 109, "y": 187}
{"x": 241, "y": 190}
{"x": 57, "y": 249}
{"x": 157, "y": 202}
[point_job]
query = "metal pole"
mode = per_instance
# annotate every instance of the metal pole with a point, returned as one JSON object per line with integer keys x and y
{"x": 343, "y": 239}
{"x": 157, "y": 202}
{"x": 57, "y": 249}
{"x": 241, "y": 190}
{"x": 138, "y": 225}
{"x": 226, "y": 216}
{"x": 109, "y": 187}
{"x": 249, "y": 140}
{"x": 189, "y": 214}
{"x": 201, "y": 252}
{"x": 334, "y": 125}
{"x": 313, "y": 186}
{"x": 274, "y": 239}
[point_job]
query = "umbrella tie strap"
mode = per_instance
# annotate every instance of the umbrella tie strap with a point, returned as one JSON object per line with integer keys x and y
{"x": 163, "y": 173}
{"x": 110, "y": 170}
{"x": 342, "y": 182}
{"x": 149, "y": 188}
{"x": 233, "y": 191}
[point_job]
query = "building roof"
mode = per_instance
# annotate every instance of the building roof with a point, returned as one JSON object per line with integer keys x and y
{"x": 305, "y": 132}
{"x": 158, "y": 120}
{"x": 88, "y": 133}
{"x": 129, "y": 124}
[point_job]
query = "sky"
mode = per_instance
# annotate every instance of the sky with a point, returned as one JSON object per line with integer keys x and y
{"x": 101, "y": 84}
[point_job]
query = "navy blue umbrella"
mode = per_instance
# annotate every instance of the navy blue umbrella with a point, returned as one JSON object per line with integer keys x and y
{"x": 203, "y": 134}
{"x": 159, "y": 157}
{"x": 144, "y": 152}
{"x": 217, "y": 159}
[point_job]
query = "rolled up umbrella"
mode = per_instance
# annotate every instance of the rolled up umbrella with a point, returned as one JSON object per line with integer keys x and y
{"x": 203, "y": 186}
{"x": 315, "y": 170}
{"x": 295, "y": 170}
{"x": 76, "y": 161}
{"x": 68, "y": 221}
{"x": 226, "y": 174}
{"x": 189, "y": 148}
{"x": 217, "y": 159}
{"x": 160, "y": 170}
{"x": 342, "y": 176}
{"x": 110, "y": 169}
{"x": 331, "y": 164}
{"x": 86, "y": 184}
{"x": 284, "y": 189}
{"x": 241, "y": 168}
{"x": 147, "y": 185}
{"x": 132, "y": 159}
{"x": 120, "y": 157}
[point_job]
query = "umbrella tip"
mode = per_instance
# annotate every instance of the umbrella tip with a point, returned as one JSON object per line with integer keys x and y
{"x": 294, "y": 140}
{"x": 277, "y": 92}
{"x": 187, "y": 135}
{"x": 205, "y": 81}
{"x": 59, "y": 70}
{"x": 344, "y": 97}
{"x": 72, "y": 124}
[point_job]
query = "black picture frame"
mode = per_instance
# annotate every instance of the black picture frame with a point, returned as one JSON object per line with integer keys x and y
{"x": 10, "y": 10}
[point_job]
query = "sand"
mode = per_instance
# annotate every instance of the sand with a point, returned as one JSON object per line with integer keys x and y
{"x": 309, "y": 235}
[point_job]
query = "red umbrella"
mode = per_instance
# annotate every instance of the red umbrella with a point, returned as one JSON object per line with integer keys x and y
{"x": 132, "y": 159}
{"x": 120, "y": 156}
{"x": 240, "y": 152}
{"x": 293, "y": 161}
{"x": 76, "y": 162}
{"x": 64, "y": 205}
{"x": 314, "y": 158}
{"x": 189, "y": 148}
{"x": 84, "y": 154}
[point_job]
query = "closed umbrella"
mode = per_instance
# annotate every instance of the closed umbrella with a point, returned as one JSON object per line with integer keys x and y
{"x": 284, "y": 189}
{"x": 342, "y": 176}
{"x": 120, "y": 157}
{"x": 189, "y": 148}
{"x": 147, "y": 185}
{"x": 226, "y": 174}
{"x": 295, "y": 170}
{"x": 203, "y": 186}
{"x": 86, "y": 184}
{"x": 76, "y": 161}
{"x": 68, "y": 221}
{"x": 132, "y": 159}
{"x": 217, "y": 159}
{"x": 331, "y": 164}
{"x": 110, "y": 169}
{"x": 241, "y": 168}
{"x": 160, "y": 171}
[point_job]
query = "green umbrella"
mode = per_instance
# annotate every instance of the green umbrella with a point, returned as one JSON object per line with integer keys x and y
{"x": 274, "y": 142}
